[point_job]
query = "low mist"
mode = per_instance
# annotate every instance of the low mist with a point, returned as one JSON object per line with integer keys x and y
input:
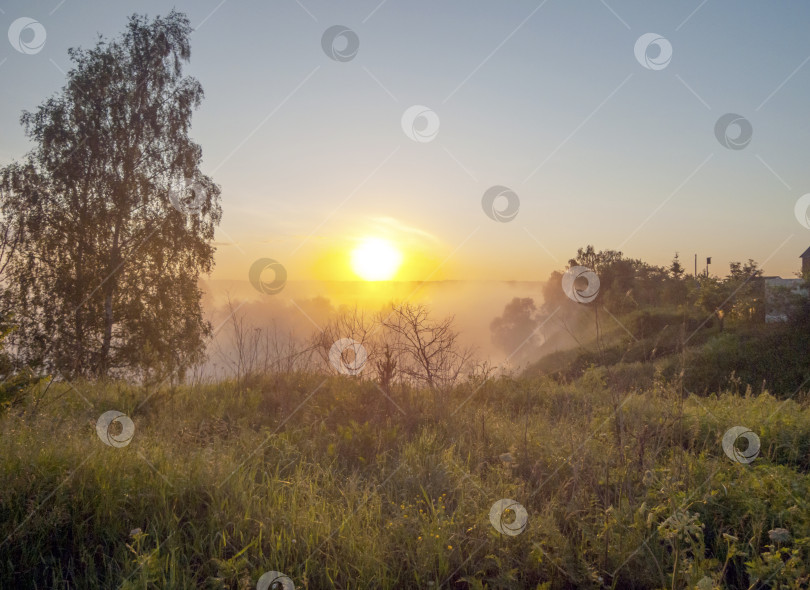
{"x": 303, "y": 309}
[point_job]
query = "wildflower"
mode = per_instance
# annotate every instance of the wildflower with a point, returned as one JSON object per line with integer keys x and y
{"x": 135, "y": 532}
{"x": 419, "y": 538}
{"x": 779, "y": 535}
{"x": 449, "y": 546}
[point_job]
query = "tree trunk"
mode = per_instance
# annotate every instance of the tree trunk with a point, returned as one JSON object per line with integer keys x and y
{"x": 115, "y": 257}
{"x": 105, "y": 346}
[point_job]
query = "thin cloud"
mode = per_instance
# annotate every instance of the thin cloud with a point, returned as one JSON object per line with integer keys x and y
{"x": 388, "y": 224}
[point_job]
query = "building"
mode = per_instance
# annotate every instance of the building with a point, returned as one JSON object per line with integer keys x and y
{"x": 778, "y": 292}
{"x": 805, "y": 261}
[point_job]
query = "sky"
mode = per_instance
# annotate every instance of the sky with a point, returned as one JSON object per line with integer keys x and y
{"x": 598, "y": 142}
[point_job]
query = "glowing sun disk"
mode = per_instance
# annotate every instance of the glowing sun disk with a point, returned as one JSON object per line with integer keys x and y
{"x": 375, "y": 259}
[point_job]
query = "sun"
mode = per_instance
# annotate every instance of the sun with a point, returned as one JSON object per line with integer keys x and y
{"x": 376, "y": 259}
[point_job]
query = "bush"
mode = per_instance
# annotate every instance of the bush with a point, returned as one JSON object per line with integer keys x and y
{"x": 650, "y": 322}
{"x": 775, "y": 358}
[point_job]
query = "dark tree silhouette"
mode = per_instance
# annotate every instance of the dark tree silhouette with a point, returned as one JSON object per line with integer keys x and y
{"x": 515, "y": 332}
{"x": 676, "y": 269}
{"x": 427, "y": 350}
{"x": 104, "y": 278}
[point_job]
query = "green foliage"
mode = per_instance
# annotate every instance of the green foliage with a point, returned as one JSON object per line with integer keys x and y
{"x": 650, "y": 322}
{"x": 220, "y": 484}
{"x": 701, "y": 333}
{"x": 104, "y": 275}
{"x": 775, "y": 357}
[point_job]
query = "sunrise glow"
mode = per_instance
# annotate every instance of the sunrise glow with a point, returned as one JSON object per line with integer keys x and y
{"x": 375, "y": 259}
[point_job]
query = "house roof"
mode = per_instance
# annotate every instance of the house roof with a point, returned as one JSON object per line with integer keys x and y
{"x": 806, "y": 254}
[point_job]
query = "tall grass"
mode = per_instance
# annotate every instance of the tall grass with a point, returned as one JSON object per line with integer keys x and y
{"x": 327, "y": 481}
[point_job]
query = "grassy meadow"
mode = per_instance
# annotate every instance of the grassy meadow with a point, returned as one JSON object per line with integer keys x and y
{"x": 328, "y": 481}
{"x": 420, "y": 408}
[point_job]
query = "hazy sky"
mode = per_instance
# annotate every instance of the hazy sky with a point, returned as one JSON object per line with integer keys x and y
{"x": 545, "y": 98}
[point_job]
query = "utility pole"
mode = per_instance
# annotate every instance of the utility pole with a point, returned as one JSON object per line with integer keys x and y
{"x": 695, "y": 265}
{"x": 708, "y": 262}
